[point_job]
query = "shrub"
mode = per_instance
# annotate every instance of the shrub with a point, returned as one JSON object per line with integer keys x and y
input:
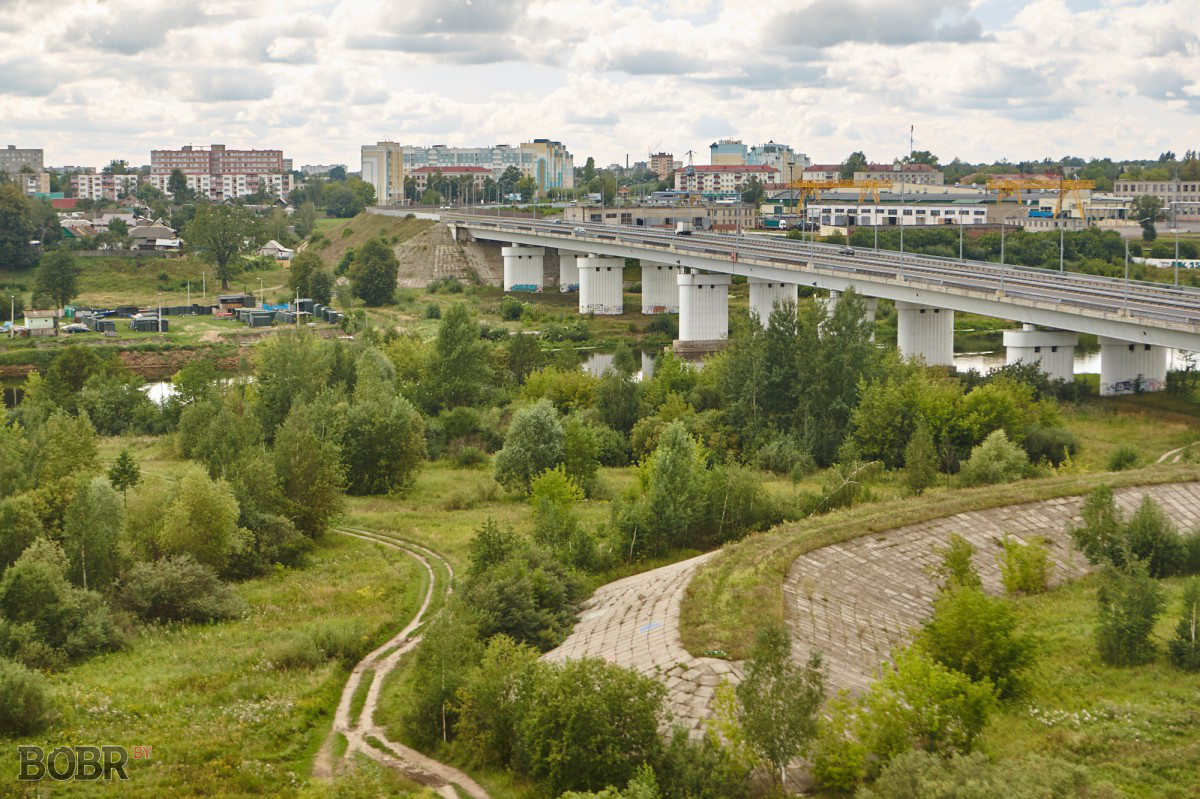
{"x": 433, "y": 311}
{"x": 996, "y": 460}
{"x": 1124, "y": 457}
{"x": 1053, "y": 445}
{"x": 612, "y": 448}
{"x": 839, "y": 759}
{"x": 1150, "y": 536}
{"x": 976, "y": 635}
{"x": 511, "y": 309}
{"x": 1025, "y": 567}
{"x": 1184, "y": 648}
{"x": 1101, "y": 537}
{"x": 1129, "y": 602}
{"x": 535, "y": 443}
{"x": 782, "y": 454}
{"x": 179, "y": 589}
{"x": 468, "y": 457}
{"x": 921, "y": 775}
{"x": 955, "y": 569}
{"x": 25, "y": 704}
{"x": 342, "y": 641}
{"x": 920, "y": 460}
{"x": 587, "y": 725}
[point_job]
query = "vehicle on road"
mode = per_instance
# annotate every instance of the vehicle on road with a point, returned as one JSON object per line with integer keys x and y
{"x": 683, "y": 228}
{"x": 579, "y": 230}
{"x": 846, "y": 251}
{"x": 76, "y": 327}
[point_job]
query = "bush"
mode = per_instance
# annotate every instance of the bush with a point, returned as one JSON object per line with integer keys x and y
{"x": 839, "y": 759}
{"x": 433, "y": 311}
{"x": 976, "y": 635}
{"x": 955, "y": 569}
{"x": 343, "y": 641}
{"x": 1150, "y": 536}
{"x": 25, "y": 704}
{"x": 782, "y": 454}
{"x": 996, "y": 460}
{"x": 921, "y": 775}
{"x": 612, "y": 448}
{"x": 535, "y": 442}
{"x": 511, "y": 309}
{"x": 1054, "y": 445}
{"x": 1184, "y": 648}
{"x": 1129, "y": 602}
{"x": 468, "y": 457}
{"x": 179, "y": 589}
{"x": 1025, "y": 568}
{"x": 1125, "y": 456}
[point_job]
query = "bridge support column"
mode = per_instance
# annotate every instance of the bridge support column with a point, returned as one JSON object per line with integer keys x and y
{"x": 1127, "y": 367}
{"x": 1052, "y": 350}
{"x": 703, "y": 307}
{"x": 765, "y": 293}
{"x": 660, "y": 288}
{"x": 869, "y": 303}
{"x": 568, "y": 270}
{"x": 925, "y": 331}
{"x": 523, "y": 267}
{"x": 601, "y": 282}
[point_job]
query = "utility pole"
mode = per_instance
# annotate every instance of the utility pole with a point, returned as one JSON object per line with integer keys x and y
{"x": 1061, "y": 244}
{"x": 960, "y": 238}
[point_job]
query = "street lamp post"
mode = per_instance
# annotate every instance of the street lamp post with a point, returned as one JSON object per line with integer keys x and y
{"x": 1061, "y": 244}
{"x": 960, "y": 238}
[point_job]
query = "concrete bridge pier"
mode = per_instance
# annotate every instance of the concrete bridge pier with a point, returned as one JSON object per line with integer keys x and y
{"x": 703, "y": 310}
{"x": 1127, "y": 367}
{"x": 765, "y": 293}
{"x": 925, "y": 331}
{"x": 601, "y": 285}
{"x": 1052, "y": 350}
{"x": 523, "y": 267}
{"x": 660, "y": 288}
{"x": 568, "y": 270}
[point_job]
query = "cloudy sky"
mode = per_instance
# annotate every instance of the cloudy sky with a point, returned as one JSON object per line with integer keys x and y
{"x": 90, "y": 80}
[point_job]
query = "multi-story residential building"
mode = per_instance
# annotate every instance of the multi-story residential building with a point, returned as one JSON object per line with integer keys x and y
{"x": 12, "y": 158}
{"x": 722, "y": 179}
{"x": 435, "y": 177}
{"x": 319, "y": 169}
{"x": 727, "y": 152}
{"x": 221, "y": 174}
{"x": 1181, "y": 196}
{"x": 287, "y": 165}
{"x": 919, "y": 174}
{"x": 386, "y": 164}
{"x": 822, "y": 172}
{"x": 33, "y": 183}
{"x": 97, "y": 187}
{"x": 662, "y": 164}
{"x": 789, "y": 162}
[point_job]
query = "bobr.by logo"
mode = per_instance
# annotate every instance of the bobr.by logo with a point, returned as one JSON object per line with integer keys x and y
{"x": 84, "y": 763}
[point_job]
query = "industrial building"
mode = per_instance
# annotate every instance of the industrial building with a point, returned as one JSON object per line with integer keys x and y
{"x": 1182, "y": 196}
{"x": 702, "y": 217}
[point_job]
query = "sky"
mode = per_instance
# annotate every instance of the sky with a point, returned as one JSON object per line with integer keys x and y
{"x": 93, "y": 80}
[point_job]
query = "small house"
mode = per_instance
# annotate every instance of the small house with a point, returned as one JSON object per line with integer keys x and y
{"x": 41, "y": 323}
{"x": 273, "y": 249}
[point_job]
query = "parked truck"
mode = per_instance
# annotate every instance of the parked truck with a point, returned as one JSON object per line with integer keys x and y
{"x": 683, "y": 228}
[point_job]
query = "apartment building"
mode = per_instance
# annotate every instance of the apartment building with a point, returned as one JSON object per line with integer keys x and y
{"x": 219, "y": 173}
{"x": 727, "y": 152}
{"x": 99, "y": 187}
{"x": 385, "y": 165}
{"x": 13, "y": 158}
{"x": 722, "y": 178}
{"x": 1184, "y": 194}
{"x": 32, "y": 183}
{"x": 917, "y": 174}
{"x": 790, "y": 163}
{"x": 822, "y": 172}
{"x": 435, "y": 177}
{"x": 661, "y": 164}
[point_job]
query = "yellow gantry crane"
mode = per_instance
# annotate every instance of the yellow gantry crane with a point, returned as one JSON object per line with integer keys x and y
{"x": 1012, "y": 187}
{"x": 813, "y": 188}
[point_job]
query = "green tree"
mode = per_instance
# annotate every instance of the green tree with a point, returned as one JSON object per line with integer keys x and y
{"x": 19, "y": 526}
{"x": 65, "y": 446}
{"x": 492, "y": 699}
{"x": 920, "y": 460}
{"x": 534, "y": 443}
{"x": 221, "y": 234}
{"x": 667, "y": 511}
{"x": 778, "y": 702}
{"x": 587, "y": 725}
{"x": 301, "y": 271}
{"x": 58, "y": 276}
{"x": 856, "y": 162}
{"x": 1145, "y": 209}
{"x": 589, "y": 169}
{"x": 91, "y": 526}
{"x": 527, "y": 187}
{"x": 508, "y": 180}
{"x": 177, "y": 187}
{"x": 996, "y": 460}
{"x": 523, "y": 354}
{"x": 1129, "y": 602}
{"x": 373, "y": 273}
{"x": 581, "y": 449}
{"x": 443, "y": 663}
{"x": 290, "y": 367}
{"x": 304, "y": 218}
{"x": 1184, "y": 648}
{"x": 320, "y": 286}
{"x": 201, "y": 520}
{"x": 124, "y": 473}
{"x": 14, "y": 459}
{"x": 384, "y": 442}
{"x": 459, "y": 366}
{"x": 16, "y": 228}
{"x": 977, "y": 635}
{"x": 753, "y": 191}
{"x": 955, "y": 569}
{"x": 309, "y": 471}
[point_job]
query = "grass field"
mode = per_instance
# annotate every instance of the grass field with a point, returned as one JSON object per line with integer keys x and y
{"x": 221, "y": 718}
{"x": 1133, "y": 727}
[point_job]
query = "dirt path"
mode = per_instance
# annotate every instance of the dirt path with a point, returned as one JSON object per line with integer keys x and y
{"x": 362, "y": 734}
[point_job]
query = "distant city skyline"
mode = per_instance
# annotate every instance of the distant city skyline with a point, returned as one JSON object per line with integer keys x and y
{"x": 89, "y": 81}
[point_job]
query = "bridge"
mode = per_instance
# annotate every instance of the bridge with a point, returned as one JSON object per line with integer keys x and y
{"x": 689, "y": 275}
